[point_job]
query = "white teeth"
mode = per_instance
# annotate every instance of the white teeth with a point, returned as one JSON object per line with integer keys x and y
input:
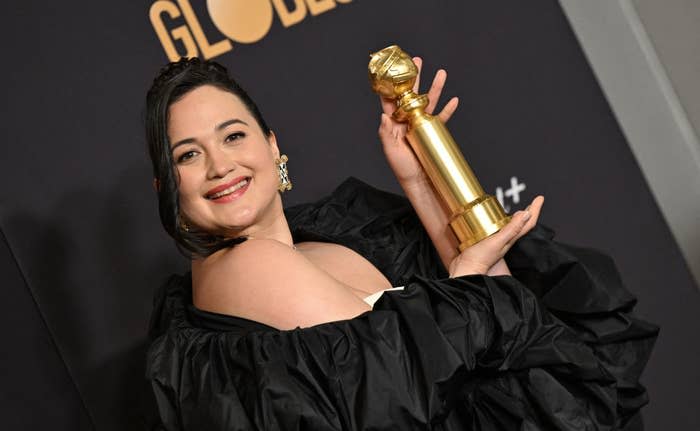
{"x": 229, "y": 190}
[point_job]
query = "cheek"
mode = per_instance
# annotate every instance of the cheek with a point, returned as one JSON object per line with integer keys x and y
{"x": 183, "y": 181}
{"x": 265, "y": 167}
{"x": 271, "y": 175}
{"x": 188, "y": 189}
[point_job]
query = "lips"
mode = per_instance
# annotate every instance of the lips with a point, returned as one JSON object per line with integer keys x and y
{"x": 229, "y": 191}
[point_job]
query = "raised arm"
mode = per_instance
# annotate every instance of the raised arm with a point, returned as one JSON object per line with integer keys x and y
{"x": 424, "y": 198}
{"x": 268, "y": 282}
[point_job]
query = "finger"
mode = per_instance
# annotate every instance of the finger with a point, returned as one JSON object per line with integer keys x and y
{"x": 509, "y": 233}
{"x": 388, "y": 105}
{"x": 535, "y": 209}
{"x": 419, "y": 64}
{"x": 448, "y": 110}
{"x": 385, "y": 129}
{"x": 501, "y": 240}
{"x": 436, "y": 90}
{"x": 488, "y": 251}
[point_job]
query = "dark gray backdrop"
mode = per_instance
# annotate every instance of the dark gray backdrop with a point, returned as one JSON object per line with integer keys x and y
{"x": 82, "y": 249}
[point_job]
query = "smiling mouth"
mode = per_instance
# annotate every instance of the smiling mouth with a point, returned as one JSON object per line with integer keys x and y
{"x": 239, "y": 185}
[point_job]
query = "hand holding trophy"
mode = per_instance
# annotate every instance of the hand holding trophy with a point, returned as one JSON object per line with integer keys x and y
{"x": 474, "y": 214}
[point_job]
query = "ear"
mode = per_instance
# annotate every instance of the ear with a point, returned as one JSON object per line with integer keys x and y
{"x": 156, "y": 184}
{"x": 272, "y": 140}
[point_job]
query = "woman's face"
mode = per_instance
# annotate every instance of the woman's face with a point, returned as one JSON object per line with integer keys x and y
{"x": 228, "y": 178}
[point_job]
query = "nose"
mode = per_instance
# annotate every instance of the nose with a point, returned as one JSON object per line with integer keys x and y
{"x": 219, "y": 164}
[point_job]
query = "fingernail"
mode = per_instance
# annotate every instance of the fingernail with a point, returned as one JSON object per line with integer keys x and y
{"x": 527, "y": 215}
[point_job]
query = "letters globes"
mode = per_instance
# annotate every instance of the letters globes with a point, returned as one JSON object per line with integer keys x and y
{"x": 474, "y": 214}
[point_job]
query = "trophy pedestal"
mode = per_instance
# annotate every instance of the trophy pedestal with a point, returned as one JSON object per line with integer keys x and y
{"x": 478, "y": 220}
{"x": 475, "y": 215}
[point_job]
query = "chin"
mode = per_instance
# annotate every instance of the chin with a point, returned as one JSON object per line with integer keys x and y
{"x": 238, "y": 217}
{"x": 242, "y": 220}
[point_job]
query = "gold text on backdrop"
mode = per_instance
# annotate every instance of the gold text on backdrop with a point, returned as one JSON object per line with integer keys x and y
{"x": 243, "y": 21}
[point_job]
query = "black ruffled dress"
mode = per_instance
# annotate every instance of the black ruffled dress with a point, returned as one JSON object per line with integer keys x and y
{"x": 555, "y": 347}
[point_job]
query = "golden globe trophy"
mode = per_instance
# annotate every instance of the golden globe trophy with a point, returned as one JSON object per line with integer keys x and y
{"x": 474, "y": 214}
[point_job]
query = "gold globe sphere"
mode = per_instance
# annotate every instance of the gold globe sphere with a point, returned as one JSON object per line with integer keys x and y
{"x": 392, "y": 72}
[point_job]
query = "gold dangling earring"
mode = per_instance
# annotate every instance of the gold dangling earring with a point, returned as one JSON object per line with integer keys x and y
{"x": 281, "y": 163}
{"x": 184, "y": 225}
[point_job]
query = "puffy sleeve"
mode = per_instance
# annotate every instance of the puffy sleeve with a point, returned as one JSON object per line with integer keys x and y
{"x": 370, "y": 372}
{"x": 554, "y": 347}
{"x": 412, "y": 363}
{"x": 582, "y": 290}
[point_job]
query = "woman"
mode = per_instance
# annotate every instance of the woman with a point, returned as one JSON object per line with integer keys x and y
{"x": 472, "y": 349}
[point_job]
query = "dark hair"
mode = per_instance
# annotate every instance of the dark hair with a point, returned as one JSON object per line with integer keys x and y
{"x": 174, "y": 81}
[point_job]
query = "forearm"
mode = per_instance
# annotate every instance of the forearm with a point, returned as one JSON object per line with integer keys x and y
{"x": 434, "y": 216}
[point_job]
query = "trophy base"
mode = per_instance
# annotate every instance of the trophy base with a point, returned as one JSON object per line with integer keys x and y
{"x": 478, "y": 220}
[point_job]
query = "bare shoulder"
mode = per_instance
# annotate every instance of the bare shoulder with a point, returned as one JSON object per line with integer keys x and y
{"x": 266, "y": 281}
{"x": 253, "y": 253}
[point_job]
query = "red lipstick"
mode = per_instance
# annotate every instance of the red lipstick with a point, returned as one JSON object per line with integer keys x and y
{"x": 228, "y": 192}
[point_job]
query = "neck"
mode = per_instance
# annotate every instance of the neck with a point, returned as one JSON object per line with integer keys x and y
{"x": 275, "y": 227}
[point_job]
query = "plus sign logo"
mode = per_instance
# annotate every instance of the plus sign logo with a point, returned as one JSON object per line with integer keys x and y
{"x": 512, "y": 193}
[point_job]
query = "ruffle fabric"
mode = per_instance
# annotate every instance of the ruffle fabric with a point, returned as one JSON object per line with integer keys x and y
{"x": 555, "y": 347}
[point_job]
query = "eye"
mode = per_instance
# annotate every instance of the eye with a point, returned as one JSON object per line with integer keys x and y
{"x": 234, "y": 136}
{"x": 186, "y": 156}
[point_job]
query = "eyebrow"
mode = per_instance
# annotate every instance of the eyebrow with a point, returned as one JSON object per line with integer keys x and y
{"x": 220, "y": 127}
